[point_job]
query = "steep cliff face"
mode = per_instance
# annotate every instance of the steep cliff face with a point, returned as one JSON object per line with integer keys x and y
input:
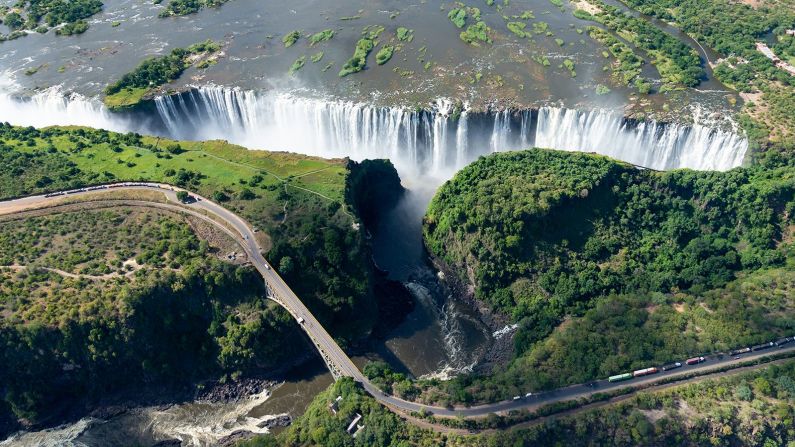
{"x": 373, "y": 187}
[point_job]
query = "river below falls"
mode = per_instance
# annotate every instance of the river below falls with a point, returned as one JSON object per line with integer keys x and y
{"x": 441, "y": 337}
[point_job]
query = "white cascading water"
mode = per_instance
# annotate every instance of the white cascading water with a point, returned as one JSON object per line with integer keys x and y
{"x": 437, "y": 141}
{"x": 52, "y": 107}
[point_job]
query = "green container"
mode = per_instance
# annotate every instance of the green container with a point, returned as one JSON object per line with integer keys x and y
{"x": 619, "y": 377}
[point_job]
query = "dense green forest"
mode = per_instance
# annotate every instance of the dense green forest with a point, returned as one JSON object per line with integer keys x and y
{"x": 606, "y": 267}
{"x": 154, "y": 72}
{"x": 41, "y": 15}
{"x": 754, "y": 408}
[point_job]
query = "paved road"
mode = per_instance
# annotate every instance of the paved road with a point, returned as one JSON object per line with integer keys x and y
{"x": 334, "y": 356}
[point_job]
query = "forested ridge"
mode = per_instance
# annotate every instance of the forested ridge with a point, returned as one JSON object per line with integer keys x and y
{"x": 606, "y": 267}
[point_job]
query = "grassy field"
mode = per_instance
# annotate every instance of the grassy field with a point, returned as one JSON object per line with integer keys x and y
{"x": 208, "y": 167}
{"x": 125, "y": 98}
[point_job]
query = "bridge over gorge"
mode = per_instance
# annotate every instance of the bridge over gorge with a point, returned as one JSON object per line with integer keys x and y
{"x": 335, "y": 358}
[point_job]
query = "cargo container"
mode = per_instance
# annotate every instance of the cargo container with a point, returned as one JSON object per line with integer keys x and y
{"x": 763, "y": 346}
{"x": 740, "y": 351}
{"x": 619, "y": 377}
{"x": 671, "y": 366}
{"x": 695, "y": 360}
{"x": 644, "y": 372}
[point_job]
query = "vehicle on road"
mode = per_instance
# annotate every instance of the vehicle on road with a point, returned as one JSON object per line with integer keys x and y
{"x": 672, "y": 366}
{"x": 740, "y": 351}
{"x": 517, "y": 397}
{"x": 301, "y": 320}
{"x": 619, "y": 377}
{"x": 528, "y": 395}
{"x": 763, "y": 346}
{"x": 695, "y": 360}
{"x": 645, "y": 372}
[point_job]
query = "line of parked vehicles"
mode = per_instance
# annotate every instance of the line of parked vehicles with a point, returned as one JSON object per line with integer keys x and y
{"x": 696, "y": 360}
{"x": 99, "y": 187}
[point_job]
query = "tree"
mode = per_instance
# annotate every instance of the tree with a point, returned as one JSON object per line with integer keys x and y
{"x": 182, "y": 196}
{"x": 286, "y": 265}
{"x": 220, "y": 196}
{"x": 246, "y": 194}
{"x": 13, "y": 20}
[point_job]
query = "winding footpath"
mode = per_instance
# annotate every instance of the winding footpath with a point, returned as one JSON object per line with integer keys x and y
{"x": 337, "y": 361}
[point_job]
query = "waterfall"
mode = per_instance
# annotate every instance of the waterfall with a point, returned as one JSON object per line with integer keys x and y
{"x": 51, "y": 107}
{"x": 435, "y": 142}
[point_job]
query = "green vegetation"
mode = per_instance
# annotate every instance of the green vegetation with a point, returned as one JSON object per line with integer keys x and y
{"x": 311, "y": 190}
{"x": 357, "y": 63}
{"x": 479, "y": 32}
{"x": 602, "y": 89}
{"x": 291, "y": 38}
{"x": 518, "y": 28}
{"x": 678, "y": 64}
{"x": 475, "y": 33}
{"x": 185, "y": 7}
{"x": 41, "y": 15}
{"x": 569, "y": 65}
{"x": 541, "y": 59}
{"x": 384, "y": 54}
{"x": 558, "y": 3}
{"x": 184, "y": 315}
{"x": 152, "y": 73}
{"x": 298, "y": 64}
{"x": 458, "y": 16}
{"x": 316, "y": 38}
{"x": 405, "y": 34}
{"x": 627, "y": 67}
{"x": 732, "y": 29}
{"x": 69, "y": 29}
{"x": 373, "y": 31}
{"x": 317, "y": 57}
{"x": 649, "y": 267}
{"x": 754, "y": 408}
